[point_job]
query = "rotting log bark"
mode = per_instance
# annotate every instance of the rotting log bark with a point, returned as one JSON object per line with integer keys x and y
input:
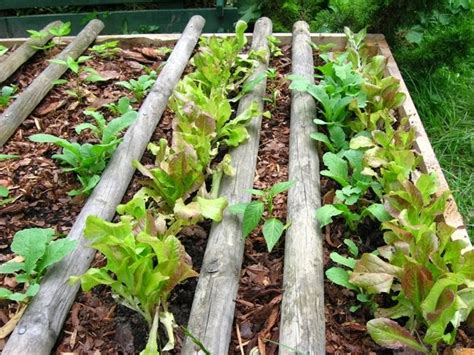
{"x": 37, "y": 90}
{"x": 213, "y": 306}
{"x": 25, "y": 52}
{"x": 302, "y": 325}
{"x": 39, "y": 327}
{"x": 423, "y": 146}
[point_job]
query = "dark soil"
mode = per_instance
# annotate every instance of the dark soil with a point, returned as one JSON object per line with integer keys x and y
{"x": 257, "y": 313}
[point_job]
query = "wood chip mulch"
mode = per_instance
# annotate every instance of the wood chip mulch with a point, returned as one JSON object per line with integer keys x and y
{"x": 257, "y": 313}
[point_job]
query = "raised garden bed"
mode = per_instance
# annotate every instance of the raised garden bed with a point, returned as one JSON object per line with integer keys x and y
{"x": 245, "y": 298}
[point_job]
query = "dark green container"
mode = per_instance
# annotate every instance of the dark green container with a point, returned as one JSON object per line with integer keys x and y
{"x": 170, "y": 17}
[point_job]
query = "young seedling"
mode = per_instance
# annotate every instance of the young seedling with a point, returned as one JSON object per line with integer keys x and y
{"x": 106, "y": 50}
{"x": 3, "y": 50}
{"x": 36, "y": 251}
{"x": 4, "y": 192}
{"x": 73, "y": 65}
{"x": 274, "y": 43}
{"x": 121, "y": 107}
{"x": 60, "y": 31}
{"x": 140, "y": 86}
{"x": 340, "y": 276}
{"x": 89, "y": 160}
{"x": 253, "y": 213}
{"x": 7, "y": 94}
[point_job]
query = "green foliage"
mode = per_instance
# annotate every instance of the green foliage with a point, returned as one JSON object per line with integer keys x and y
{"x": 106, "y": 50}
{"x": 71, "y": 63}
{"x": 4, "y": 192}
{"x": 3, "y": 50}
{"x": 141, "y": 270}
{"x": 341, "y": 276}
{"x": 7, "y": 93}
{"x": 253, "y": 214}
{"x": 121, "y": 107}
{"x": 36, "y": 251}
{"x": 75, "y": 67}
{"x": 89, "y": 160}
{"x": 419, "y": 266}
{"x": 139, "y": 87}
{"x": 61, "y": 30}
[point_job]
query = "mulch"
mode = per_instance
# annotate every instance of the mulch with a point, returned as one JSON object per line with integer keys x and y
{"x": 257, "y": 313}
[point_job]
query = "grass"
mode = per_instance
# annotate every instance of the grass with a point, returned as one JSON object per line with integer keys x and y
{"x": 444, "y": 102}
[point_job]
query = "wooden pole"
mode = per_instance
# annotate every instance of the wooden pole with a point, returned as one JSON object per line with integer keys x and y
{"x": 302, "y": 311}
{"x": 39, "y": 327}
{"x": 26, "y": 102}
{"x": 25, "y": 52}
{"x": 213, "y": 307}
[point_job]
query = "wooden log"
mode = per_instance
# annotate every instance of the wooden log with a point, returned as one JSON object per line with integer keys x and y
{"x": 302, "y": 325}
{"x": 213, "y": 306}
{"x": 25, "y": 52}
{"x": 39, "y": 327}
{"x": 423, "y": 146}
{"x": 37, "y": 90}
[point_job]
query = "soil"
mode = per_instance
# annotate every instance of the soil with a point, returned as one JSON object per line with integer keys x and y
{"x": 257, "y": 312}
{"x": 34, "y": 179}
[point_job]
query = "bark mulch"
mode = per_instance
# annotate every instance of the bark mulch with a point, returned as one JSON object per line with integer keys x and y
{"x": 257, "y": 313}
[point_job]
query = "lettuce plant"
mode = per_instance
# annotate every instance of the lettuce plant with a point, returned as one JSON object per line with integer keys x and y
{"x": 4, "y": 192}
{"x": 140, "y": 86}
{"x": 7, "y": 93}
{"x": 427, "y": 276}
{"x": 89, "y": 160}
{"x": 142, "y": 269}
{"x": 36, "y": 251}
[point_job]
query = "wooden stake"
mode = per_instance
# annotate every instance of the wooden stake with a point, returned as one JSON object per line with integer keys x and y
{"x": 213, "y": 307}
{"x": 39, "y": 327}
{"x": 302, "y": 311}
{"x": 26, "y": 102}
{"x": 25, "y": 52}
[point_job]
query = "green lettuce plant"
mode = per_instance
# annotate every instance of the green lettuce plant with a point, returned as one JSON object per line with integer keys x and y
{"x": 7, "y": 93}
{"x": 142, "y": 269}
{"x": 36, "y": 251}
{"x": 89, "y": 160}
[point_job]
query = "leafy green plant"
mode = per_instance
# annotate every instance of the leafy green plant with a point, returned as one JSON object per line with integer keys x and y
{"x": 427, "y": 275}
{"x": 89, "y": 160}
{"x": 273, "y": 43}
{"x": 37, "y": 34}
{"x": 3, "y": 50}
{"x": 61, "y": 30}
{"x": 72, "y": 64}
{"x": 106, "y": 50}
{"x": 253, "y": 214}
{"x": 7, "y": 94}
{"x": 121, "y": 107}
{"x": 139, "y": 87}
{"x": 4, "y": 192}
{"x": 341, "y": 275}
{"x": 141, "y": 270}
{"x": 36, "y": 251}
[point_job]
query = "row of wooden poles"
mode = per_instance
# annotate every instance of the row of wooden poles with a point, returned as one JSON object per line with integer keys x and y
{"x": 212, "y": 314}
